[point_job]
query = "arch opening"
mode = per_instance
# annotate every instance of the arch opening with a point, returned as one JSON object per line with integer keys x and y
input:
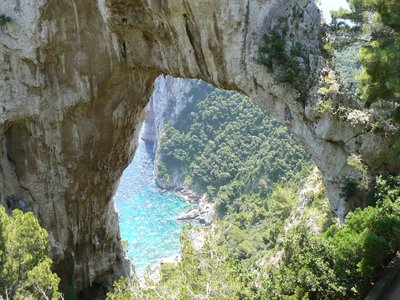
{"x": 74, "y": 92}
{"x": 191, "y": 126}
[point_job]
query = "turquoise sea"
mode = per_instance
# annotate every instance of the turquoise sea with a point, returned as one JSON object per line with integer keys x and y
{"x": 147, "y": 214}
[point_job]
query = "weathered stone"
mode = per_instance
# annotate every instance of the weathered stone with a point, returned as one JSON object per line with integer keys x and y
{"x": 76, "y": 76}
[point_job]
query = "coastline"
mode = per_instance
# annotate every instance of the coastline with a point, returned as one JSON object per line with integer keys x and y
{"x": 201, "y": 210}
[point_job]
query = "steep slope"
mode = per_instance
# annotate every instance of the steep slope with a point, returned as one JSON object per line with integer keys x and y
{"x": 171, "y": 98}
{"x": 226, "y": 138}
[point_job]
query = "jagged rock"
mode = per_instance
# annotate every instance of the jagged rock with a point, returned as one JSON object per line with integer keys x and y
{"x": 207, "y": 212}
{"x": 189, "y": 216}
{"x": 189, "y": 195}
{"x": 76, "y": 76}
{"x": 203, "y": 212}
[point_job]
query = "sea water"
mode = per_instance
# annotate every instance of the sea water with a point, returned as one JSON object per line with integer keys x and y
{"x": 147, "y": 213}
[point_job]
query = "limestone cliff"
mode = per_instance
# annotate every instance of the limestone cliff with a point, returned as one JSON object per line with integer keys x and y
{"x": 171, "y": 98}
{"x": 76, "y": 76}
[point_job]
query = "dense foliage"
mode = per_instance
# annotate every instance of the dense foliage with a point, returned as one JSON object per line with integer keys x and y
{"x": 25, "y": 268}
{"x": 347, "y": 66}
{"x": 203, "y": 273}
{"x": 229, "y": 139}
{"x": 380, "y": 57}
{"x": 343, "y": 262}
{"x": 254, "y": 224}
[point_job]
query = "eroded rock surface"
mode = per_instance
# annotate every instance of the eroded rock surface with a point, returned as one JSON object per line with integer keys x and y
{"x": 76, "y": 76}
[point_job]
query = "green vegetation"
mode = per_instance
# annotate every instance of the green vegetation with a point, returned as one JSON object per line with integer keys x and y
{"x": 380, "y": 57}
{"x": 289, "y": 63}
{"x": 230, "y": 143}
{"x": 347, "y": 65}
{"x": 203, "y": 273}
{"x": 343, "y": 262}
{"x": 300, "y": 259}
{"x": 4, "y": 20}
{"x": 25, "y": 268}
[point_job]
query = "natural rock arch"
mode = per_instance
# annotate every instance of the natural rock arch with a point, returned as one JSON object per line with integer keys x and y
{"x": 76, "y": 76}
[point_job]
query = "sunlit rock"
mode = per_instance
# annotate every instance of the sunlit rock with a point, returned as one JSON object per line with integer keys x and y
{"x": 76, "y": 77}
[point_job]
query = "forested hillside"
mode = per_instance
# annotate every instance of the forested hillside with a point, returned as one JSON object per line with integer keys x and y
{"x": 275, "y": 236}
{"x": 228, "y": 138}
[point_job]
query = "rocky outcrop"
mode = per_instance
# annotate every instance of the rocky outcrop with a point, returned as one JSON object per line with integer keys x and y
{"x": 203, "y": 212}
{"x": 76, "y": 76}
{"x": 310, "y": 195}
{"x": 171, "y": 98}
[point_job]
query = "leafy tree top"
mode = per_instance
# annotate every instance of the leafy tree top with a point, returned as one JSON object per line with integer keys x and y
{"x": 380, "y": 57}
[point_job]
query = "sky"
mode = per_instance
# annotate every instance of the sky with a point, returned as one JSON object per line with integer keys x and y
{"x": 328, "y": 5}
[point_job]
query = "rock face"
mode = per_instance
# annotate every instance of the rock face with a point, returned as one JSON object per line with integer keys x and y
{"x": 70, "y": 110}
{"x": 170, "y": 98}
{"x": 76, "y": 76}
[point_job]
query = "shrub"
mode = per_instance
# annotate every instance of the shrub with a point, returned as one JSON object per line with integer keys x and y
{"x": 344, "y": 261}
{"x": 4, "y": 20}
{"x": 25, "y": 268}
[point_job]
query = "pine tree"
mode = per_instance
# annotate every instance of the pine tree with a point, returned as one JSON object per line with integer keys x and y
{"x": 380, "y": 57}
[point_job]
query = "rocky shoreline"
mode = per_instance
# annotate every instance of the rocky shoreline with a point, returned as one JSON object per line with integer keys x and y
{"x": 189, "y": 195}
{"x": 203, "y": 212}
